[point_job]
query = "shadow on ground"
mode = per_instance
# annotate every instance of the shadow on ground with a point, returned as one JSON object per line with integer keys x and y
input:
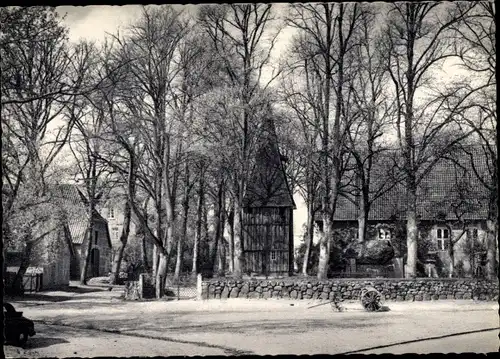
{"x": 46, "y": 296}
{"x": 43, "y": 342}
{"x": 37, "y": 297}
{"x": 247, "y": 327}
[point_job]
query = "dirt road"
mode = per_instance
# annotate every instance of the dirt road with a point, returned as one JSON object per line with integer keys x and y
{"x": 259, "y": 327}
{"x": 62, "y": 341}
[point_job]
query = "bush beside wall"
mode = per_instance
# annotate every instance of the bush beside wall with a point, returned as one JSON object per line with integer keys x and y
{"x": 350, "y": 289}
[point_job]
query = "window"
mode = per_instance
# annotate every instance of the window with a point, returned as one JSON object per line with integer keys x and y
{"x": 111, "y": 213}
{"x": 114, "y": 233}
{"x": 96, "y": 237}
{"x": 472, "y": 234}
{"x": 273, "y": 255}
{"x": 384, "y": 234}
{"x": 442, "y": 241}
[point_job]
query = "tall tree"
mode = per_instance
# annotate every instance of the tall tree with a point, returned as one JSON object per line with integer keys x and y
{"x": 300, "y": 92}
{"x": 477, "y": 51}
{"x": 416, "y": 42}
{"x": 369, "y": 112}
{"x": 149, "y": 48}
{"x": 238, "y": 33}
{"x": 40, "y": 75}
{"x": 86, "y": 143}
{"x": 330, "y": 28}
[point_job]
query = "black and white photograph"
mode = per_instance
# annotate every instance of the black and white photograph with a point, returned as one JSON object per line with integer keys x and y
{"x": 249, "y": 179}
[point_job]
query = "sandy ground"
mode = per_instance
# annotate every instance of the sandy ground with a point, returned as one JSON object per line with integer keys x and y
{"x": 242, "y": 326}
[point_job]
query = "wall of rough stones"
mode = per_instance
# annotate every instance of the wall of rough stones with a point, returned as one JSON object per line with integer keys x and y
{"x": 350, "y": 289}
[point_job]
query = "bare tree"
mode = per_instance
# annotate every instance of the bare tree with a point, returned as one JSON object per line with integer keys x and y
{"x": 149, "y": 48}
{"x": 38, "y": 71}
{"x": 369, "y": 112}
{"x": 238, "y": 33}
{"x": 302, "y": 99}
{"x": 477, "y": 50}
{"x": 196, "y": 76}
{"x": 86, "y": 143}
{"x": 330, "y": 29}
{"x": 417, "y": 40}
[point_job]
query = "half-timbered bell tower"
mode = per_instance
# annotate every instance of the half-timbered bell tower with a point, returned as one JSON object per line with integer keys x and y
{"x": 267, "y": 225}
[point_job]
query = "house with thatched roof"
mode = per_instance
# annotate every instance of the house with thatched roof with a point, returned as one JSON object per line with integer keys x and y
{"x": 452, "y": 208}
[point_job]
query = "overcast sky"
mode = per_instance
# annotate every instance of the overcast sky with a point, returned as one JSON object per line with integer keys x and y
{"x": 92, "y": 22}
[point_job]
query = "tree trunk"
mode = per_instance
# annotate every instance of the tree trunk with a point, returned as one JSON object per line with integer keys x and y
{"x": 161, "y": 275}
{"x": 197, "y": 237}
{"x": 155, "y": 260}
{"x": 361, "y": 223}
{"x": 222, "y": 257}
{"x": 169, "y": 240}
{"x": 310, "y": 236}
{"x": 117, "y": 261}
{"x": 219, "y": 226}
{"x": 185, "y": 212}
{"x": 363, "y": 216}
{"x": 145, "y": 260}
{"x": 492, "y": 229}
{"x": 17, "y": 284}
{"x": 180, "y": 249}
{"x": 230, "y": 220}
{"x": 237, "y": 250}
{"x": 324, "y": 248}
{"x": 411, "y": 235}
{"x": 451, "y": 254}
{"x": 85, "y": 255}
{"x": 180, "y": 243}
{"x": 491, "y": 244}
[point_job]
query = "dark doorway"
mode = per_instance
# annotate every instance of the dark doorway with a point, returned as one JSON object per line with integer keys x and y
{"x": 94, "y": 260}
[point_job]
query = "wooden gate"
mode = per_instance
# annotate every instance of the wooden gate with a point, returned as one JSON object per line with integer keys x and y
{"x": 33, "y": 282}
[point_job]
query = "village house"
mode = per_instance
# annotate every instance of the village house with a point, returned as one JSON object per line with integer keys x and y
{"x": 49, "y": 262}
{"x": 114, "y": 212}
{"x": 55, "y": 259}
{"x": 451, "y": 212}
{"x": 77, "y": 229}
{"x": 100, "y": 251}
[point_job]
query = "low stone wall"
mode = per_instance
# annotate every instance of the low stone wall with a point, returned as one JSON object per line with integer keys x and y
{"x": 350, "y": 289}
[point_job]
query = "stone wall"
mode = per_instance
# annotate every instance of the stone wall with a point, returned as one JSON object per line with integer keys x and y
{"x": 350, "y": 289}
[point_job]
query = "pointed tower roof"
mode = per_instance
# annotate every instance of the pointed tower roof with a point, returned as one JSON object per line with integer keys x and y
{"x": 268, "y": 185}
